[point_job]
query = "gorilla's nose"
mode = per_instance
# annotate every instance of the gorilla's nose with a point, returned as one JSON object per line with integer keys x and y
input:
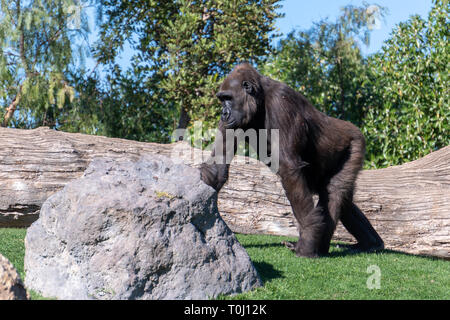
{"x": 225, "y": 114}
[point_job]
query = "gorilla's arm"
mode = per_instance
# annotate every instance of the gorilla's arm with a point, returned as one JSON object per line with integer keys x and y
{"x": 215, "y": 171}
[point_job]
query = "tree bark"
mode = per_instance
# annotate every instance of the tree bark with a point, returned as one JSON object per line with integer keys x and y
{"x": 408, "y": 205}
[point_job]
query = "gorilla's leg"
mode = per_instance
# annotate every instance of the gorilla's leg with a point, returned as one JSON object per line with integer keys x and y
{"x": 338, "y": 195}
{"x": 310, "y": 219}
{"x": 357, "y": 224}
{"x": 353, "y": 220}
{"x": 330, "y": 223}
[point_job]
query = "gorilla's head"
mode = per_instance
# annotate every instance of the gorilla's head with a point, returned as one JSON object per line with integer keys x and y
{"x": 241, "y": 95}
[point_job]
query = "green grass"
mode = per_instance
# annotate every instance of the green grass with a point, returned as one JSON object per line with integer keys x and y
{"x": 12, "y": 246}
{"x": 339, "y": 276}
{"x": 342, "y": 275}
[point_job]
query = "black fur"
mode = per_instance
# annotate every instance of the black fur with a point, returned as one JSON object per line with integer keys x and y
{"x": 318, "y": 155}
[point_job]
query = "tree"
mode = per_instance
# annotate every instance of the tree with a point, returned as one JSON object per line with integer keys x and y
{"x": 408, "y": 109}
{"x": 36, "y": 43}
{"x": 325, "y": 62}
{"x": 187, "y": 45}
{"x": 122, "y": 105}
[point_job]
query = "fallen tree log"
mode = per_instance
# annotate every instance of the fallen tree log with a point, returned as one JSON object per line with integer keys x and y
{"x": 409, "y": 205}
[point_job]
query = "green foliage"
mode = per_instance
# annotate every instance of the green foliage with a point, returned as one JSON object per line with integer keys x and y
{"x": 184, "y": 48}
{"x": 123, "y": 106}
{"x": 36, "y": 42}
{"x": 408, "y": 113}
{"x": 399, "y": 96}
{"x": 188, "y": 45}
{"x": 325, "y": 62}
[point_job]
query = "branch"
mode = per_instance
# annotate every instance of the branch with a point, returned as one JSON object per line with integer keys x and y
{"x": 12, "y": 107}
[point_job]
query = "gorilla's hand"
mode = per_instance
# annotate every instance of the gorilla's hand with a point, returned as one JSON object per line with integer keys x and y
{"x": 214, "y": 175}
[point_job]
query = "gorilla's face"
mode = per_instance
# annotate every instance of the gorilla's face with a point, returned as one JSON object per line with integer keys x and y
{"x": 238, "y": 95}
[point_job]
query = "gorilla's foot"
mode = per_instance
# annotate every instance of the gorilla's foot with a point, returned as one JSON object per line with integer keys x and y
{"x": 360, "y": 247}
{"x": 292, "y": 245}
{"x": 289, "y": 244}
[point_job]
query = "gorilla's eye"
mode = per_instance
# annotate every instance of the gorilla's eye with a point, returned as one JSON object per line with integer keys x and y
{"x": 247, "y": 86}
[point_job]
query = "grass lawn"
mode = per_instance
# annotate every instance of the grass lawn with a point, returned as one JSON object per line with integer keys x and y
{"x": 339, "y": 276}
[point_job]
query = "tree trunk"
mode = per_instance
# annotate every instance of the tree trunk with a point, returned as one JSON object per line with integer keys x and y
{"x": 408, "y": 205}
{"x": 12, "y": 108}
{"x": 184, "y": 119}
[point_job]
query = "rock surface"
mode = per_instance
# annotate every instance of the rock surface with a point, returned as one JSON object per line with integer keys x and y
{"x": 147, "y": 229}
{"x": 11, "y": 286}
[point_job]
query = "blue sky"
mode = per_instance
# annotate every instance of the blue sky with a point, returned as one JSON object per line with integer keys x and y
{"x": 300, "y": 14}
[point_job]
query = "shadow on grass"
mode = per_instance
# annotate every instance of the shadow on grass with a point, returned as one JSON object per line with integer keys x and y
{"x": 345, "y": 249}
{"x": 265, "y": 245}
{"x": 349, "y": 251}
{"x": 267, "y": 272}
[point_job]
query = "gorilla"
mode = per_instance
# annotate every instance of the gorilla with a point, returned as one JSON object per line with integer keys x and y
{"x": 317, "y": 155}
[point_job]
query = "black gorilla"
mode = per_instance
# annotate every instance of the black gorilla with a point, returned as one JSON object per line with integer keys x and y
{"x": 317, "y": 154}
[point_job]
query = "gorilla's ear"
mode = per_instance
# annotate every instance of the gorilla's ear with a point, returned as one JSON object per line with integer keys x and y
{"x": 248, "y": 87}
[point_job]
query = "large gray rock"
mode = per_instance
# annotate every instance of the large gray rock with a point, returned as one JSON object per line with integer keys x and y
{"x": 11, "y": 286}
{"x": 135, "y": 230}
